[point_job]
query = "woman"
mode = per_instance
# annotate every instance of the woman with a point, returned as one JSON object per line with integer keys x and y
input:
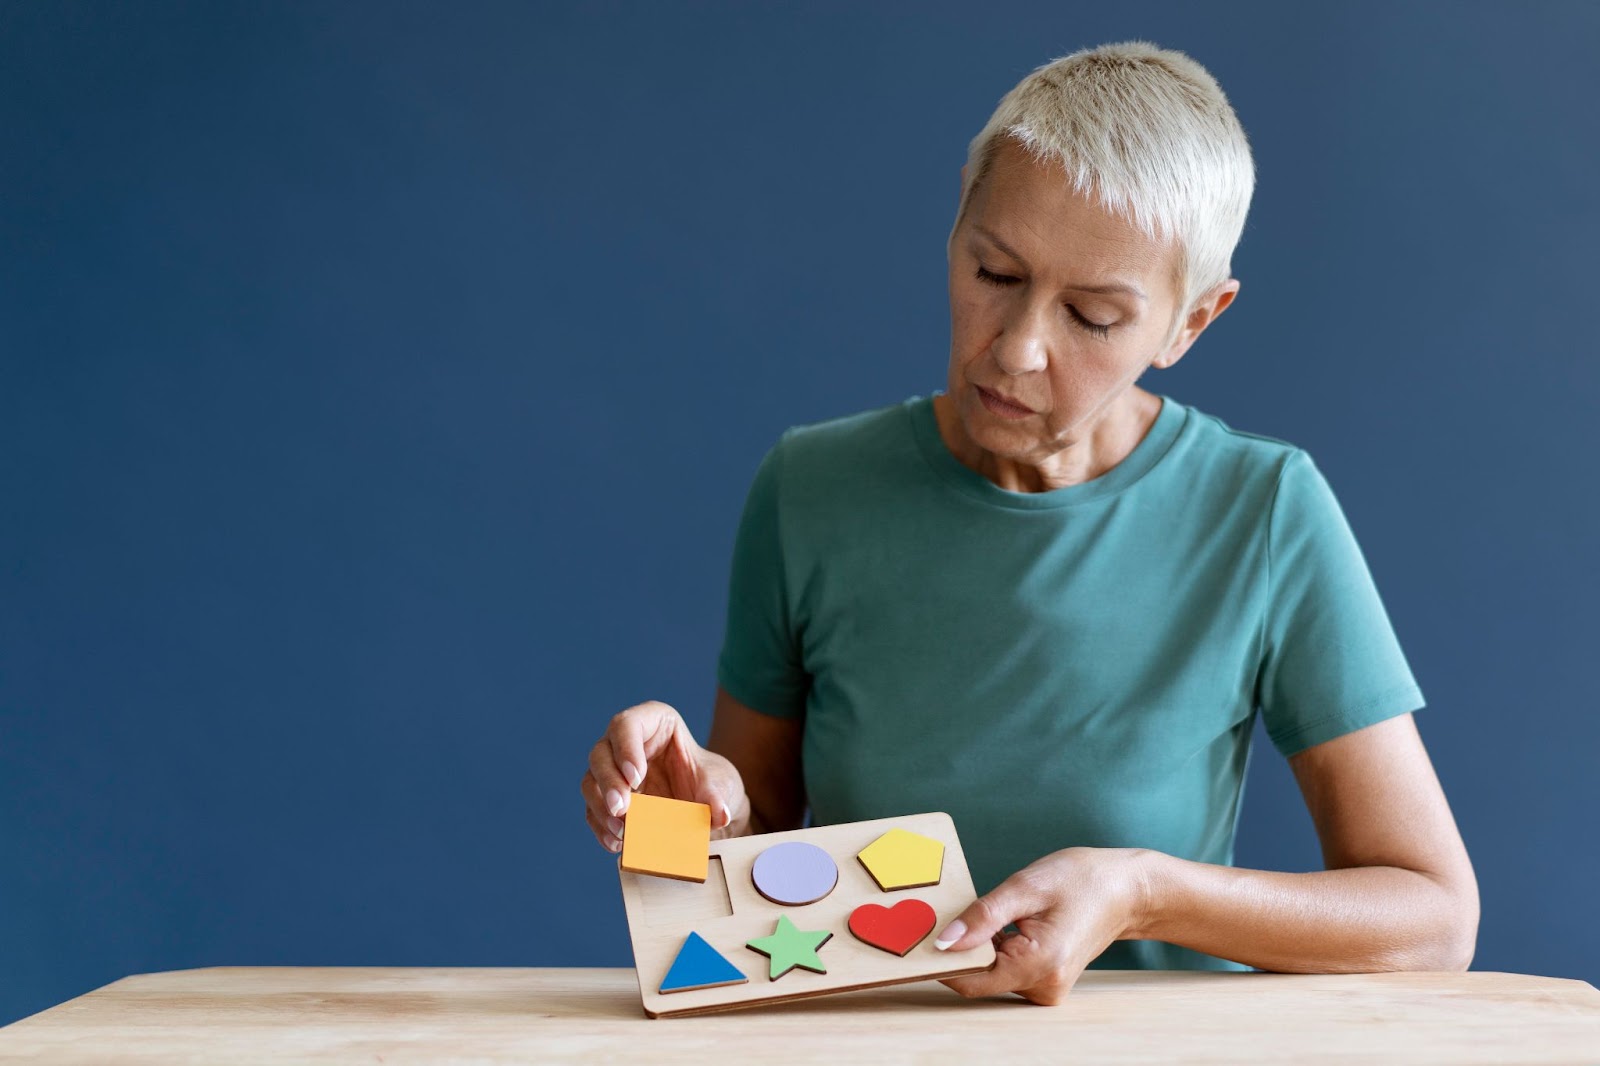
{"x": 1051, "y": 603}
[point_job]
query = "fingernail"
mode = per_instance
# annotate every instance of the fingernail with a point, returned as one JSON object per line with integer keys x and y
{"x": 631, "y": 772}
{"x": 614, "y": 801}
{"x": 615, "y": 825}
{"x": 952, "y": 932}
{"x": 613, "y": 845}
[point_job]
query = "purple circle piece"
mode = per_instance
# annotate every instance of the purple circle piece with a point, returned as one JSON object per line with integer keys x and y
{"x": 795, "y": 873}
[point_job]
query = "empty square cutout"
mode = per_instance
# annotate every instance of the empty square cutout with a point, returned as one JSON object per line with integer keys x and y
{"x": 667, "y": 902}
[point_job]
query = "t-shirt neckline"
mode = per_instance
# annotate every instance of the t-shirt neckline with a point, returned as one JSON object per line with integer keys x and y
{"x": 1145, "y": 455}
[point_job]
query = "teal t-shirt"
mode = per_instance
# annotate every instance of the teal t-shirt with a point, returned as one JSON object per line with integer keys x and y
{"x": 1075, "y": 667}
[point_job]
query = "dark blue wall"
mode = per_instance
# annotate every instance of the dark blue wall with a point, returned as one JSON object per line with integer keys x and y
{"x": 317, "y": 580}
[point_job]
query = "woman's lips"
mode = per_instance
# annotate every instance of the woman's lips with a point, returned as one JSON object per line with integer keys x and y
{"x": 1003, "y": 408}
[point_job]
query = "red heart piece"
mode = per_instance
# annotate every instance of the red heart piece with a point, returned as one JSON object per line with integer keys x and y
{"x": 895, "y": 929}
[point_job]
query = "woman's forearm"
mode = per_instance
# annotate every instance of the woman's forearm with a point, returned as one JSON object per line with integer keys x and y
{"x": 1358, "y": 920}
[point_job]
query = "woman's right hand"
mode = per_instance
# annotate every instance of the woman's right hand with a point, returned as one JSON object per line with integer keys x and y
{"x": 648, "y": 748}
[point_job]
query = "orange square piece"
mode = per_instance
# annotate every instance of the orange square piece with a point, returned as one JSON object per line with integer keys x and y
{"x": 666, "y": 837}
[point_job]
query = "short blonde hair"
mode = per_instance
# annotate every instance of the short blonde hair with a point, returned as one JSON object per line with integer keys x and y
{"x": 1149, "y": 133}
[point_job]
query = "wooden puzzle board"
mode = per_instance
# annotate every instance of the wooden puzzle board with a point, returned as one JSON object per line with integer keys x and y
{"x": 728, "y": 912}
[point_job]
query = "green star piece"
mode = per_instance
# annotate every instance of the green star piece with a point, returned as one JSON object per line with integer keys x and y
{"x": 789, "y": 947}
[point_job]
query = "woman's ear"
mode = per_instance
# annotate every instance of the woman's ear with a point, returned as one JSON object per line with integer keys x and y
{"x": 1204, "y": 313}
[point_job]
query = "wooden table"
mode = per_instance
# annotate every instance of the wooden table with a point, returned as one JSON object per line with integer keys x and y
{"x": 314, "y": 1015}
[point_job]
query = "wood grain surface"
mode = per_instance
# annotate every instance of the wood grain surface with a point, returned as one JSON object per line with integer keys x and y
{"x": 338, "y": 1015}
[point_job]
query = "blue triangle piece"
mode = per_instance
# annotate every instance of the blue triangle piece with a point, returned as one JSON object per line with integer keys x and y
{"x": 699, "y": 965}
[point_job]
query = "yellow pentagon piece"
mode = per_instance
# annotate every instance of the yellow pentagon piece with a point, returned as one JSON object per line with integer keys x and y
{"x": 903, "y": 859}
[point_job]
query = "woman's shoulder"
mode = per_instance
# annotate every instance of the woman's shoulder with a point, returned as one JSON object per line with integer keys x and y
{"x": 847, "y": 442}
{"x": 1212, "y": 441}
{"x": 853, "y": 428}
{"x": 1224, "y": 434}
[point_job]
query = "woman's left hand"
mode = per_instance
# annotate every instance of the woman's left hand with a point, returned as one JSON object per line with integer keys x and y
{"x": 1068, "y": 907}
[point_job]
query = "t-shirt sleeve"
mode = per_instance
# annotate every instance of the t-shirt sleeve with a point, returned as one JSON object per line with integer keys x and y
{"x": 1330, "y": 661}
{"x": 761, "y": 664}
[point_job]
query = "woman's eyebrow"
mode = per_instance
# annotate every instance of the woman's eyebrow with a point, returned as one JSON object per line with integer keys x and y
{"x": 1110, "y": 286}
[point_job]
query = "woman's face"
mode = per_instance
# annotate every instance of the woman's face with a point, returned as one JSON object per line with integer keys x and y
{"x": 1056, "y": 305}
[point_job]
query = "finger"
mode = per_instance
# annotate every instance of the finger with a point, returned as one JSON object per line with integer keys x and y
{"x": 610, "y": 841}
{"x": 628, "y": 732}
{"x": 677, "y": 758}
{"x": 1014, "y": 898}
{"x": 1047, "y": 994}
{"x": 612, "y": 787}
{"x": 1019, "y": 964}
{"x": 1052, "y": 991}
{"x": 712, "y": 796}
{"x": 677, "y": 764}
{"x": 596, "y": 804}
{"x": 593, "y": 808}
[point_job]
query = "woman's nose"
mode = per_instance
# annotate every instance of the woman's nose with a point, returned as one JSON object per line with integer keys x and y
{"x": 1024, "y": 344}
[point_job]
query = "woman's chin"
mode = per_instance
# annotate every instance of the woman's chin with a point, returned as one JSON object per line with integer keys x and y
{"x": 996, "y": 436}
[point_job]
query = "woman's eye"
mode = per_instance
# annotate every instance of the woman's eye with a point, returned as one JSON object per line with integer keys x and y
{"x": 994, "y": 279}
{"x": 1003, "y": 280}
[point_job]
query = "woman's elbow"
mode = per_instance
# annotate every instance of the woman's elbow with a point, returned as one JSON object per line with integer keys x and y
{"x": 1465, "y": 943}
{"x": 1457, "y": 941}
{"x": 1445, "y": 937}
